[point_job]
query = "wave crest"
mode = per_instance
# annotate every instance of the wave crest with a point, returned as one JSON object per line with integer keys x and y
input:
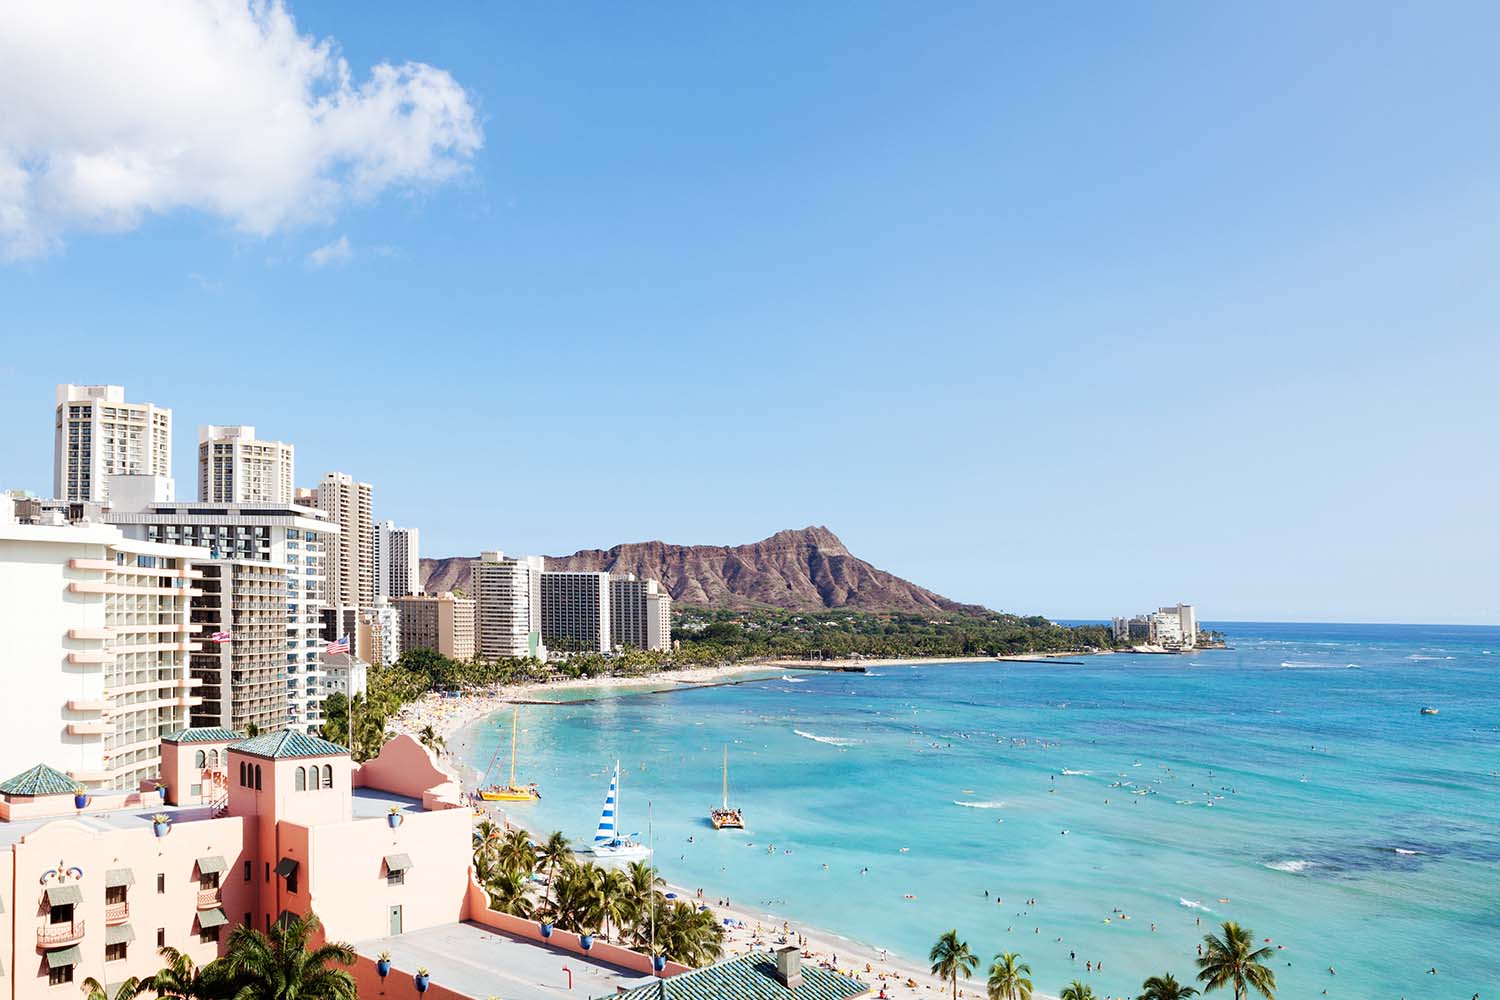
{"x": 833, "y": 741}
{"x": 978, "y": 805}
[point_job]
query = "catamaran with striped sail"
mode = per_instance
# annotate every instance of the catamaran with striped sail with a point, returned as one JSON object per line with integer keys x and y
{"x": 511, "y": 792}
{"x": 608, "y": 844}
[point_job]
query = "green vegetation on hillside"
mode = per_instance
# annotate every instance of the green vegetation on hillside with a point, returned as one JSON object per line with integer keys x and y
{"x": 708, "y": 634}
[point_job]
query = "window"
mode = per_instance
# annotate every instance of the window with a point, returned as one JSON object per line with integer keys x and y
{"x": 206, "y": 934}
{"x": 257, "y": 777}
{"x": 242, "y": 774}
{"x": 161, "y": 883}
{"x": 62, "y": 913}
{"x": 200, "y": 759}
{"x": 114, "y": 894}
{"x": 299, "y": 782}
{"x": 327, "y": 775}
{"x": 291, "y": 881}
{"x": 249, "y": 870}
{"x": 195, "y": 789}
{"x": 115, "y": 952}
{"x": 161, "y": 937}
{"x": 213, "y": 758}
{"x": 314, "y": 784}
{"x": 58, "y": 976}
{"x": 395, "y": 878}
{"x": 208, "y": 880}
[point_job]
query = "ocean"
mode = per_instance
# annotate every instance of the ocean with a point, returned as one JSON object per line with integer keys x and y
{"x": 1289, "y": 783}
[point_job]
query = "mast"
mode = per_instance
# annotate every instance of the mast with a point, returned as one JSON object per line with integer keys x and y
{"x": 514, "y": 712}
{"x": 726, "y": 776}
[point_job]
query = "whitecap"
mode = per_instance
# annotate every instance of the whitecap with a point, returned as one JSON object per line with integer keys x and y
{"x": 1404, "y": 850}
{"x": 1075, "y": 773}
{"x": 979, "y": 805}
{"x": 793, "y": 680}
{"x": 833, "y": 741}
{"x": 1292, "y": 865}
{"x": 1192, "y": 904}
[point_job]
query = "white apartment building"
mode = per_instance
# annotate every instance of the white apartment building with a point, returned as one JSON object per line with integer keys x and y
{"x": 379, "y": 633}
{"x": 97, "y": 639}
{"x": 507, "y": 596}
{"x": 575, "y": 611}
{"x": 349, "y": 562}
{"x": 235, "y": 467}
{"x": 290, "y": 537}
{"x": 397, "y": 565}
{"x": 640, "y": 613}
{"x": 98, "y": 434}
{"x": 241, "y": 682}
{"x": 1173, "y": 627}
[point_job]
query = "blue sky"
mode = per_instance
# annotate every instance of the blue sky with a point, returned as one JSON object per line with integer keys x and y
{"x": 1068, "y": 311}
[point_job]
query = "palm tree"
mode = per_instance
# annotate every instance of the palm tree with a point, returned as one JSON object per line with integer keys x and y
{"x": 951, "y": 957}
{"x": 641, "y": 894}
{"x": 516, "y": 853}
{"x": 279, "y": 965}
{"x": 686, "y": 934}
{"x": 1010, "y": 978}
{"x": 431, "y": 740}
{"x": 1233, "y": 960}
{"x": 95, "y": 990}
{"x": 1077, "y": 991}
{"x": 552, "y": 853}
{"x": 507, "y": 892}
{"x": 182, "y": 979}
{"x": 1165, "y": 987}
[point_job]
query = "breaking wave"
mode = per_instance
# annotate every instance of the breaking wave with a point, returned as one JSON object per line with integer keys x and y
{"x": 979, "y": 805}
{"x": 833, "y": 741}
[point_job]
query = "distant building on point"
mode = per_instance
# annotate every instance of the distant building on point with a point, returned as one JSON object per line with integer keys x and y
{"x": 1174, "y": 627}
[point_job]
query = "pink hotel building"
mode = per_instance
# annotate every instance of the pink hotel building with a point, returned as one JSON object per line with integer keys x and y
{"x": 279, "y": 823}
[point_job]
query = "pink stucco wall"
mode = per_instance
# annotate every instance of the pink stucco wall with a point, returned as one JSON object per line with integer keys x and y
{"x": 181, "y": 772}
{"x": 90, "y": 852}
{"x": 405, "y": 767}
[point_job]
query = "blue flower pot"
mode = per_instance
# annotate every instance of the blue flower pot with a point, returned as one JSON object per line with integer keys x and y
{"x": 586, "y": 940}
{"x": 394, "y": 819}
{"x": 161, "y": 829}
{"x": 546, "y": 930}
{"x": 81, "y": 800}
{"x": 658, "y": 962}
{"x": 421, "y": 983}
{"x": 383, "y": 966}
{"x": 162, "y": 790}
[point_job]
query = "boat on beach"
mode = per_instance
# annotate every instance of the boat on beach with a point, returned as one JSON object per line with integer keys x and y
{"x": 609, "y": 844}
{"x": 511, "y": 792}
{"x": 724, "y": 817}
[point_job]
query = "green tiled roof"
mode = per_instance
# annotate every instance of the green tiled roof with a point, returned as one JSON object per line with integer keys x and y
{"x": 750, "y": 977}
{"x": 288, "y": 743}
{"x": 207, "y": 734}
{"x": 40, "y": 780}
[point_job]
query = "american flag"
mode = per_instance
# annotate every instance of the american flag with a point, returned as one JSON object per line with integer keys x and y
{"x": 339, "y": 645}
{"x": 221, "y": 637}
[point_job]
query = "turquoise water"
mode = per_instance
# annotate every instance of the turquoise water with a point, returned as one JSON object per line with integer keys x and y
{"x": 1292, "y": 776}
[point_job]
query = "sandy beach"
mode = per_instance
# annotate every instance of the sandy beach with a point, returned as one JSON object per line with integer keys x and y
{"x": 752, "y": 928}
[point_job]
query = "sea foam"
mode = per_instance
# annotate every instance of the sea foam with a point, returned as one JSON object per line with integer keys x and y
{"x": 979, "y": 805}
{"x": 833, "y": 741}
{"x": 1292, "y": 865}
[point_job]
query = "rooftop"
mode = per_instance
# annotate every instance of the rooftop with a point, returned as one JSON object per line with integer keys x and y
{"x": 114, "y": 819}
{"x": 40, "y": 780}
{"x": 207, "y": 734}
{"x": 373, "y": 803}
{"x": 749, "y": 977}
{"x": 477, "y": 961}
{"x": 288, "y": 743}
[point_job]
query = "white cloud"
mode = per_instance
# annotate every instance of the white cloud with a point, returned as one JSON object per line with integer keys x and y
{"x": 336, "y": 252}
{"x": 113, "y": 111}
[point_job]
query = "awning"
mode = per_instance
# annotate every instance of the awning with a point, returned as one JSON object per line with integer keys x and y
{"x": 211, "y": 865}
{"x": 286, "y": 867}
{"x": 62, "y": 958}
{"x": 116, "y": 877}
{"x": 212, "y": 918}
{"x": 397, "y": 862}
{"x": 119, "y": 934}
{"x": 61, "y": 895}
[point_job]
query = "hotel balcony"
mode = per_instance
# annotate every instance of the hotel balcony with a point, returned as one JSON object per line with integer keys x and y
{"x": 117, "y": 913}
{"x": 53, "y": 935}
{"x": 98, "y": 727}
{"x": 208, "y": 899}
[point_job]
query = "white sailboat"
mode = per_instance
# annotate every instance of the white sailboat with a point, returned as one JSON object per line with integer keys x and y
{"x": 608, "y": 843}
